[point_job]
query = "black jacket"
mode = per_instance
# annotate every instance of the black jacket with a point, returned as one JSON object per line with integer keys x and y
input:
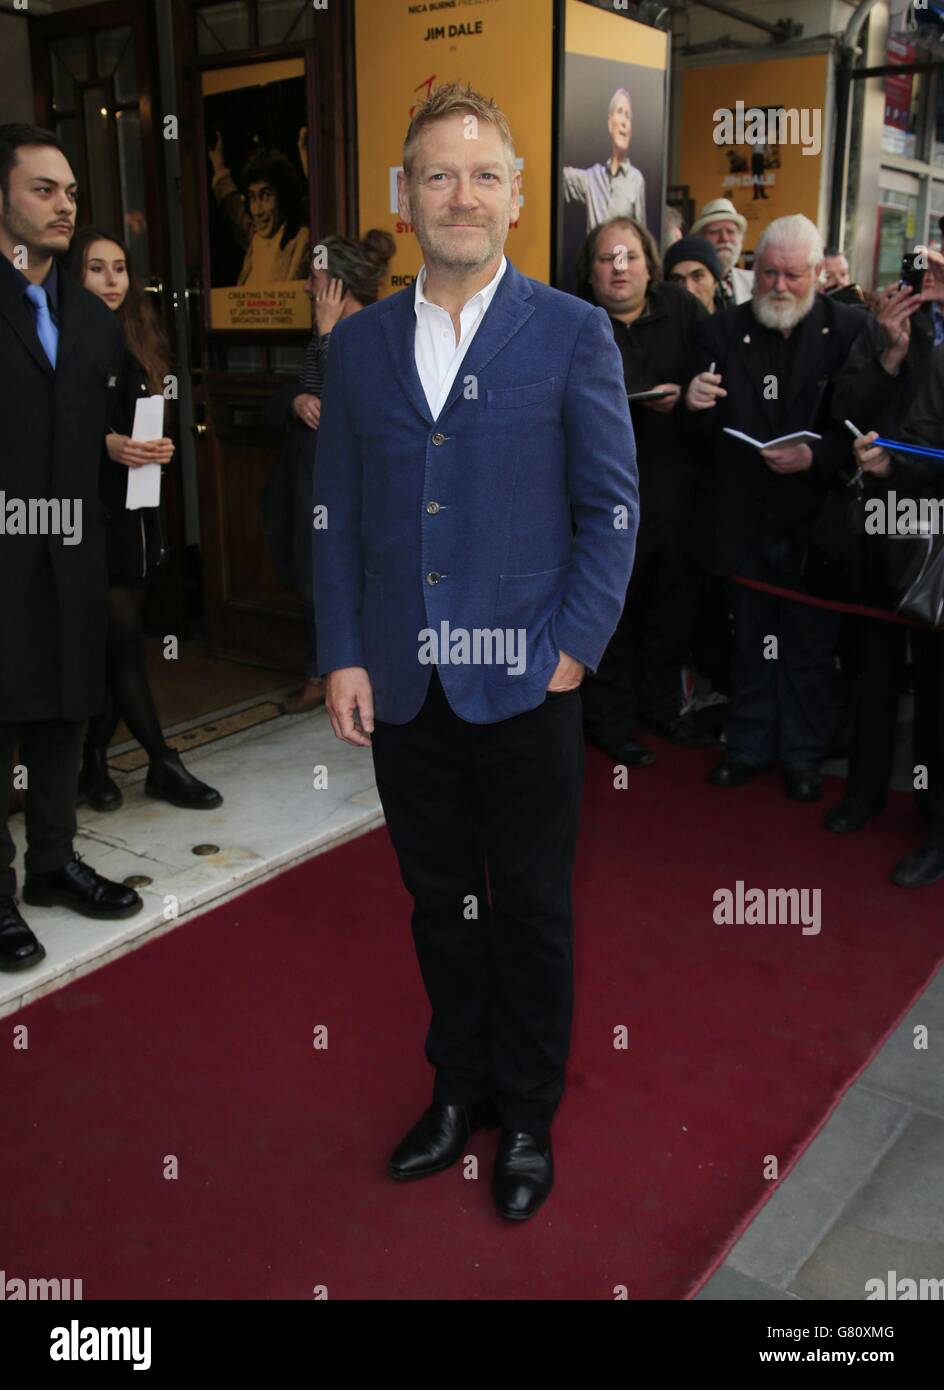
{"x": 52, "y": 423}
{"x": 657, "y": 348}
{"x": 743, "y": 503}
{"x": 134, "y": 540}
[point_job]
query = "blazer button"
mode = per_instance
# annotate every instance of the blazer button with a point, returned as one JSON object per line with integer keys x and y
{"x": 439, "y": 439}
{"x": 433, "y": 577}
{"x": 432, "y": 508}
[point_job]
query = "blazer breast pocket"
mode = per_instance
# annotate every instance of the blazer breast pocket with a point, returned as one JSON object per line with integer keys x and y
{"x": 514, "y": 397}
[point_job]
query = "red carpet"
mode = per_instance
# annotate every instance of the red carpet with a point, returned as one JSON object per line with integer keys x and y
{"x": 740, "y": 1041}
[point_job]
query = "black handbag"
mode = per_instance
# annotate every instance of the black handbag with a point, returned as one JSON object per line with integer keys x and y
{"x": 916, "y": 573}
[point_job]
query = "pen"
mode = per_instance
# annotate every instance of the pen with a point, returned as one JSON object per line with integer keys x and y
{"x": 711, "y": 369}
{"x": 858, "y": 435}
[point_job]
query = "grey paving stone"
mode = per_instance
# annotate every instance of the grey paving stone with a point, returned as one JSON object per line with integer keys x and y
{"x": 841, "y": 1158}
{"x": 894, "y": 1223}
{"x": 729, "y": 1285}
{"x": 914, "y": 1073}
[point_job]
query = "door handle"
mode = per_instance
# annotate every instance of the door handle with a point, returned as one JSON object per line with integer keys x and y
{"x": 199, "y": 429}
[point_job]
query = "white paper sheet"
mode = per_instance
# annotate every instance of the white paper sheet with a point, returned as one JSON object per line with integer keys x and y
{"x": 144, "y": 484}
{"x": 800, "y": 438}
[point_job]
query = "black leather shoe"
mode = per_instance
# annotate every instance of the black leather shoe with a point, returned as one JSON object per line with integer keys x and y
{"x": 631, "y": 753}
{"x": 523, "y": 1174}
{"x": 733, "y": 774}
{"x": 917, "y": 870}
{"x": 803, "y": 784}
{"x": 439, "y": 1138}
{"x": 681, "y": 732}
{"x": 169, "y": 780}
{"x": 850, "y": 815}
{"x": 19, "y": 948}
{"x": 78, "y": 886}
{"x": 95, "y": 785}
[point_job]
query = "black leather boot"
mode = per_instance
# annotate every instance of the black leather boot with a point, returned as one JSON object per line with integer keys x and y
{"x": 95, "y": 785}
{"x": 169, "y": 780}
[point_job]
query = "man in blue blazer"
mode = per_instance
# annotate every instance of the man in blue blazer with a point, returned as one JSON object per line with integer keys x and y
{"x": 476, "y": 510}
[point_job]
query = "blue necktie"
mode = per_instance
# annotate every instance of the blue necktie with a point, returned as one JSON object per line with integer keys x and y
{"x": 47, "y": 330}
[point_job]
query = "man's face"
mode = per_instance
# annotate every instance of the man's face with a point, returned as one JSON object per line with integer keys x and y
{"x": 835, "y": 273}
{"x": 264, "y": 209}
{"x": 728, "y": 239}
{"x": 619, "y": 274}
{"x": 784, "y": 285}
{"x": 698, "y": 280}
{"x": 462, "y": 196}
{"x": 620, "y": 125}
{"x": 39, "y": 211}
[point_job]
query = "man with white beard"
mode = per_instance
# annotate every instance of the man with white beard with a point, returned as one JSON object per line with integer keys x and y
{"x": 771, "y": 365}
{"x": 724, "y": 227}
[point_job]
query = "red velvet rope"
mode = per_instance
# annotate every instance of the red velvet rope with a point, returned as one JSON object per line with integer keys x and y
{"x": 834, "y": 604}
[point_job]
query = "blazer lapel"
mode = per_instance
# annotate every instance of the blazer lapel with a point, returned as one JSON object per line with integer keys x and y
{"x": 69, "y": 318}
{"x": 746, "y": 333}
{"x": 814, "y": 332}
{"x": 399, "y": 326}
{"x": 16, "y": 308}
{"x": 509, "y": 310}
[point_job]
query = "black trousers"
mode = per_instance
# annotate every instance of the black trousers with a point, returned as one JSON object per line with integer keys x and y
{"x": 881, "y": 650}
{"x": 51, "y": 751}
{"x": 483, "y": 818}
{"x": 927, "y": 656}
{"x": 641, "y": 668}
{"x": 780, "y": 705}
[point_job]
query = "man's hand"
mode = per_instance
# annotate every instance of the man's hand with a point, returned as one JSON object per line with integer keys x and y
{"x": 934, "y": 291}
{"x": 704, "y": 390}
{"x": 348, "y": 693}
{"x": 788, "y": 458}
{"x": 893, "y": 315}
{"x": 668, "y": 402}
{"x": 217, "y": 157}
{"x": 308, "y": 409}
{"x": 567, "y": 674}
{"x": 871, "y": 460}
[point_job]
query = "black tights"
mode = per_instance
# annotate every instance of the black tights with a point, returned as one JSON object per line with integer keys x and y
{"x": 127, "y": 692}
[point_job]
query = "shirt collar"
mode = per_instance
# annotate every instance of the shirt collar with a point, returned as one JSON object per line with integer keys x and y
{"x": 623, "y": 167}
{"x": 486, "y": 294}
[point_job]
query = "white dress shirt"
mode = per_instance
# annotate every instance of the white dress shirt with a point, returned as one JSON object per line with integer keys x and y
{"x": 438, "y": 355}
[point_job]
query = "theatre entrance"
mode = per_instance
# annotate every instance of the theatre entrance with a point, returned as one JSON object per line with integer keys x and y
{"x": 131, "y": 90}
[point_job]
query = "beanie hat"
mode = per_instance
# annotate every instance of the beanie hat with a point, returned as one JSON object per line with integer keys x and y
{"x": 692, "y": 248}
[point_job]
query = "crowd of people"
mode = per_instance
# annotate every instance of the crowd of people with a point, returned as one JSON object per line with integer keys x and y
{"x": 735, "y": 537}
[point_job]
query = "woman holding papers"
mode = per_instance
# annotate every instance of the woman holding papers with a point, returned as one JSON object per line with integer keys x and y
{"x": 133, "y": 539}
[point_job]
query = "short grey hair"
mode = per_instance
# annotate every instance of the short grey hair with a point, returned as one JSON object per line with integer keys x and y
{"x": 793, "y": 232}
{"x": 620, "y": 92}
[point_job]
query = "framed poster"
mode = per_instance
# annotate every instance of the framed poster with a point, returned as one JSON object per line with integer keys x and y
{"x": 256, "y": 194}
{"x": 744, "y": 142}
{"x": 611, "y": 128}
{"x": 406, "y": 48}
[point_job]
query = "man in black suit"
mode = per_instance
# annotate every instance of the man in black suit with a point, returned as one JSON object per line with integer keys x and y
{"x": 61, "y": 350}
{"x": 772, "y": 365}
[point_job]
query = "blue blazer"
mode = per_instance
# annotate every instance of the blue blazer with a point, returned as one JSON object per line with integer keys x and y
{"x": 489, "y": 540}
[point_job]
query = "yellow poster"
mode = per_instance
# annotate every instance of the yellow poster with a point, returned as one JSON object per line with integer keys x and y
{"x": 754, "y": 133}
{"x": 258, "y": 245}
{"x": 504, "y": 49}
